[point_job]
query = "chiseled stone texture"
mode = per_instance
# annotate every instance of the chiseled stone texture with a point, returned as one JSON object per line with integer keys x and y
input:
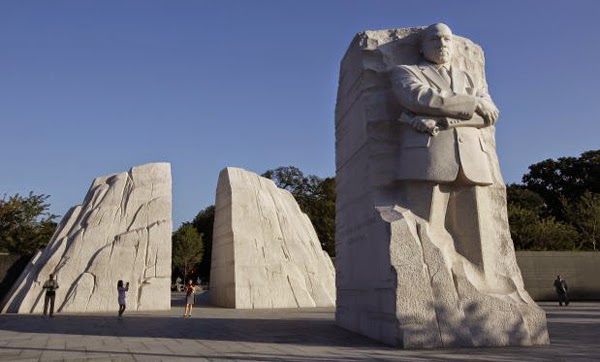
{"x": 265, "y": 251}
{"x": 121, "y": 231}
{"x": 397, "y": 281}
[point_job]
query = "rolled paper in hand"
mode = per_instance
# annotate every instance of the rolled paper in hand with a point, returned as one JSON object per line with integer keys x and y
{"x": 476, "y": 122}
{"x": 405, "y": 118}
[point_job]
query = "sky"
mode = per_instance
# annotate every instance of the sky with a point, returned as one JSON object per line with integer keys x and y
{"x": 90, "y": 88}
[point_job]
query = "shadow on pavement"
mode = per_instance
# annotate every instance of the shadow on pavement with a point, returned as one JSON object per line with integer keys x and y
{"x": 302, "y": 331}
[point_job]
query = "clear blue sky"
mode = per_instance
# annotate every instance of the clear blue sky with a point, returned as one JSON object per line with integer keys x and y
{"x": 89, "y": 88}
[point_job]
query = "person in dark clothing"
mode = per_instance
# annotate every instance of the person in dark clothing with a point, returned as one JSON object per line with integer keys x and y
{"x": 561, "y": 290}
{"x": 50, "y": 286}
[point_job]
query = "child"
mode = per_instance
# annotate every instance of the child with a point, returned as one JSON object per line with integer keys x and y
{"x": 121, "y": 292}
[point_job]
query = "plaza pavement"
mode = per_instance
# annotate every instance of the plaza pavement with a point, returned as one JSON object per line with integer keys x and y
{"x": 215, "y": 334}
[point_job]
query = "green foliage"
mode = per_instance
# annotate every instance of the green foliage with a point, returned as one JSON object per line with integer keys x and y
{"x": 565, "y": 178}
{"x": 584, "y": 214}
{"x": 316, "y": 198}
{"x": 531, "y": 232}
{"x": 558, "y": 206}
{"x": 188, "y": 248}
{"x": 518, "y": 195}
{"x": 203, "y": 223}
{"x": 321, "y": 211}
{"x": 26, "y": 225}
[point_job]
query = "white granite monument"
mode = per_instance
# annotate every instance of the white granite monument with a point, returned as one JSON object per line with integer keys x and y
{"x": 265, "y": 251}
{"x": 424, "y": 257}
{"x": 121, "y": 231}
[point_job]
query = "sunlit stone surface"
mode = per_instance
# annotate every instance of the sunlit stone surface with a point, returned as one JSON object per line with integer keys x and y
{"x": 424, "y": 257}
{"x": 265, "y": 251}
{"x": 121, "y": 231}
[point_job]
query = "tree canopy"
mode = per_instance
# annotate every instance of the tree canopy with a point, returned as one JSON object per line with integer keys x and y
{"x": 188, "y": 248}
{"x": 565, "y": 178}
{"x": 26, "y": 225}
{"x": 203, "y": 223}
{"x": 558, "y": 205}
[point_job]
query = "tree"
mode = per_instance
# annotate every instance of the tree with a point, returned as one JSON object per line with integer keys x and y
{"x": 316, "y": 198}
{"x": 203, "y": 223}
{"x": 518, "y": 195}
{"x": 288, "y": 178}
{"x": 566, "y": 177}
{"x": 320, "y": 209}
{"x": 187, "y": 248}
{"x": 584, "y": 214}
{"x": 558, "y": 204}
{"x": 26, "y": 225}
{"x": 531, "y": 232}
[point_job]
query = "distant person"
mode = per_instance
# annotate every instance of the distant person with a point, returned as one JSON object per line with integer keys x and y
{"x": 198, "y": 282}
{"x": 190, "y": 289}
{"x": 122, "y": 294}
{"x": 178, "y": 283}
{"x": 562, "y": 290}
{"x": 50, "y": 286}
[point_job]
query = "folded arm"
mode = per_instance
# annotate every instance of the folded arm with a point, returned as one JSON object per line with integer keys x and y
{"x": 421, "y": 99}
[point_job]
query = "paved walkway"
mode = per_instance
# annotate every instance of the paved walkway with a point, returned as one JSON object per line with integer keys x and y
{"x": 292, "y": 335}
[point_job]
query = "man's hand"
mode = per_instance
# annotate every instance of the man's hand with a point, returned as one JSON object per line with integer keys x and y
{"x": 487, "y": 110}
{"x": 423, "y": 125}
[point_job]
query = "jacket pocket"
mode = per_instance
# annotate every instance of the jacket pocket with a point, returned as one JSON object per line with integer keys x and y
{"x": 414, "y": 139}
{"x": 484, "y": 147}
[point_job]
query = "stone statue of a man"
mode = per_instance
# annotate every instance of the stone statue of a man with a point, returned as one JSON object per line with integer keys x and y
{"x": 436, "y": 94}
{"x": 443, "y": 154}
{"x": 424, "y": 257}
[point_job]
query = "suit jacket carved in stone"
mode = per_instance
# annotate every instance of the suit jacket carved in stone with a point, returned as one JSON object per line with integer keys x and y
{"x": 420, "y": 89}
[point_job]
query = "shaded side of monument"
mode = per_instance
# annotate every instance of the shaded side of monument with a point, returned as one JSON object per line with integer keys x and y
{"x": 121, "y": 231}
{"x": 397, "y": 280}
{"x": 265, "y": 253}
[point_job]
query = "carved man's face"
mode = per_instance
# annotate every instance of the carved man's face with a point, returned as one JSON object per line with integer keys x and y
{"x": 437, "y": 44}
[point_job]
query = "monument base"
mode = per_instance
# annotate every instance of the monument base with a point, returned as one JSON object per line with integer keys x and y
{"x": 438, "y": 299}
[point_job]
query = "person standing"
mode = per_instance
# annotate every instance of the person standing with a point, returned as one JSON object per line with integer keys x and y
{"x": 561, "y": 290}
{"x": 122, "y": 294}
{"x": 50, "y": 286}
{"x": 190, "y": 290}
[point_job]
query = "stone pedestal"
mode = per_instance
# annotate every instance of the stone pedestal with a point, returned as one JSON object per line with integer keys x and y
{"x": 399, "y": 280}
{"x": 121, "y": 231}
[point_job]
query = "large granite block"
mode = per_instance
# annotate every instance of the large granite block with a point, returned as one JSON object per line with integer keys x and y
{"x": 121, "y": 231}
{"x": 424, "y": 257}
{"x": 265, "y": 253}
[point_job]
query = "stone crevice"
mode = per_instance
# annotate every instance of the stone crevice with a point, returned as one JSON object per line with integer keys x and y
{"x": 101, "y": 241}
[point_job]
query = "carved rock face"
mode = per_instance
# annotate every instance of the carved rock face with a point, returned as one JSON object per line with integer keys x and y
{"x": 266, "y": 253}
{"x": 122, "y": 231}
{"x": 424, "y": 257}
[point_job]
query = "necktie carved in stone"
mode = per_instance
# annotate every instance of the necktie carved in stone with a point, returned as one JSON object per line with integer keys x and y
{"x": 445, "y": 73}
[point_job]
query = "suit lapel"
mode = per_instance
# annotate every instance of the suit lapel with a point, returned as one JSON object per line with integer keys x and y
{"x": 434, "y": 77}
